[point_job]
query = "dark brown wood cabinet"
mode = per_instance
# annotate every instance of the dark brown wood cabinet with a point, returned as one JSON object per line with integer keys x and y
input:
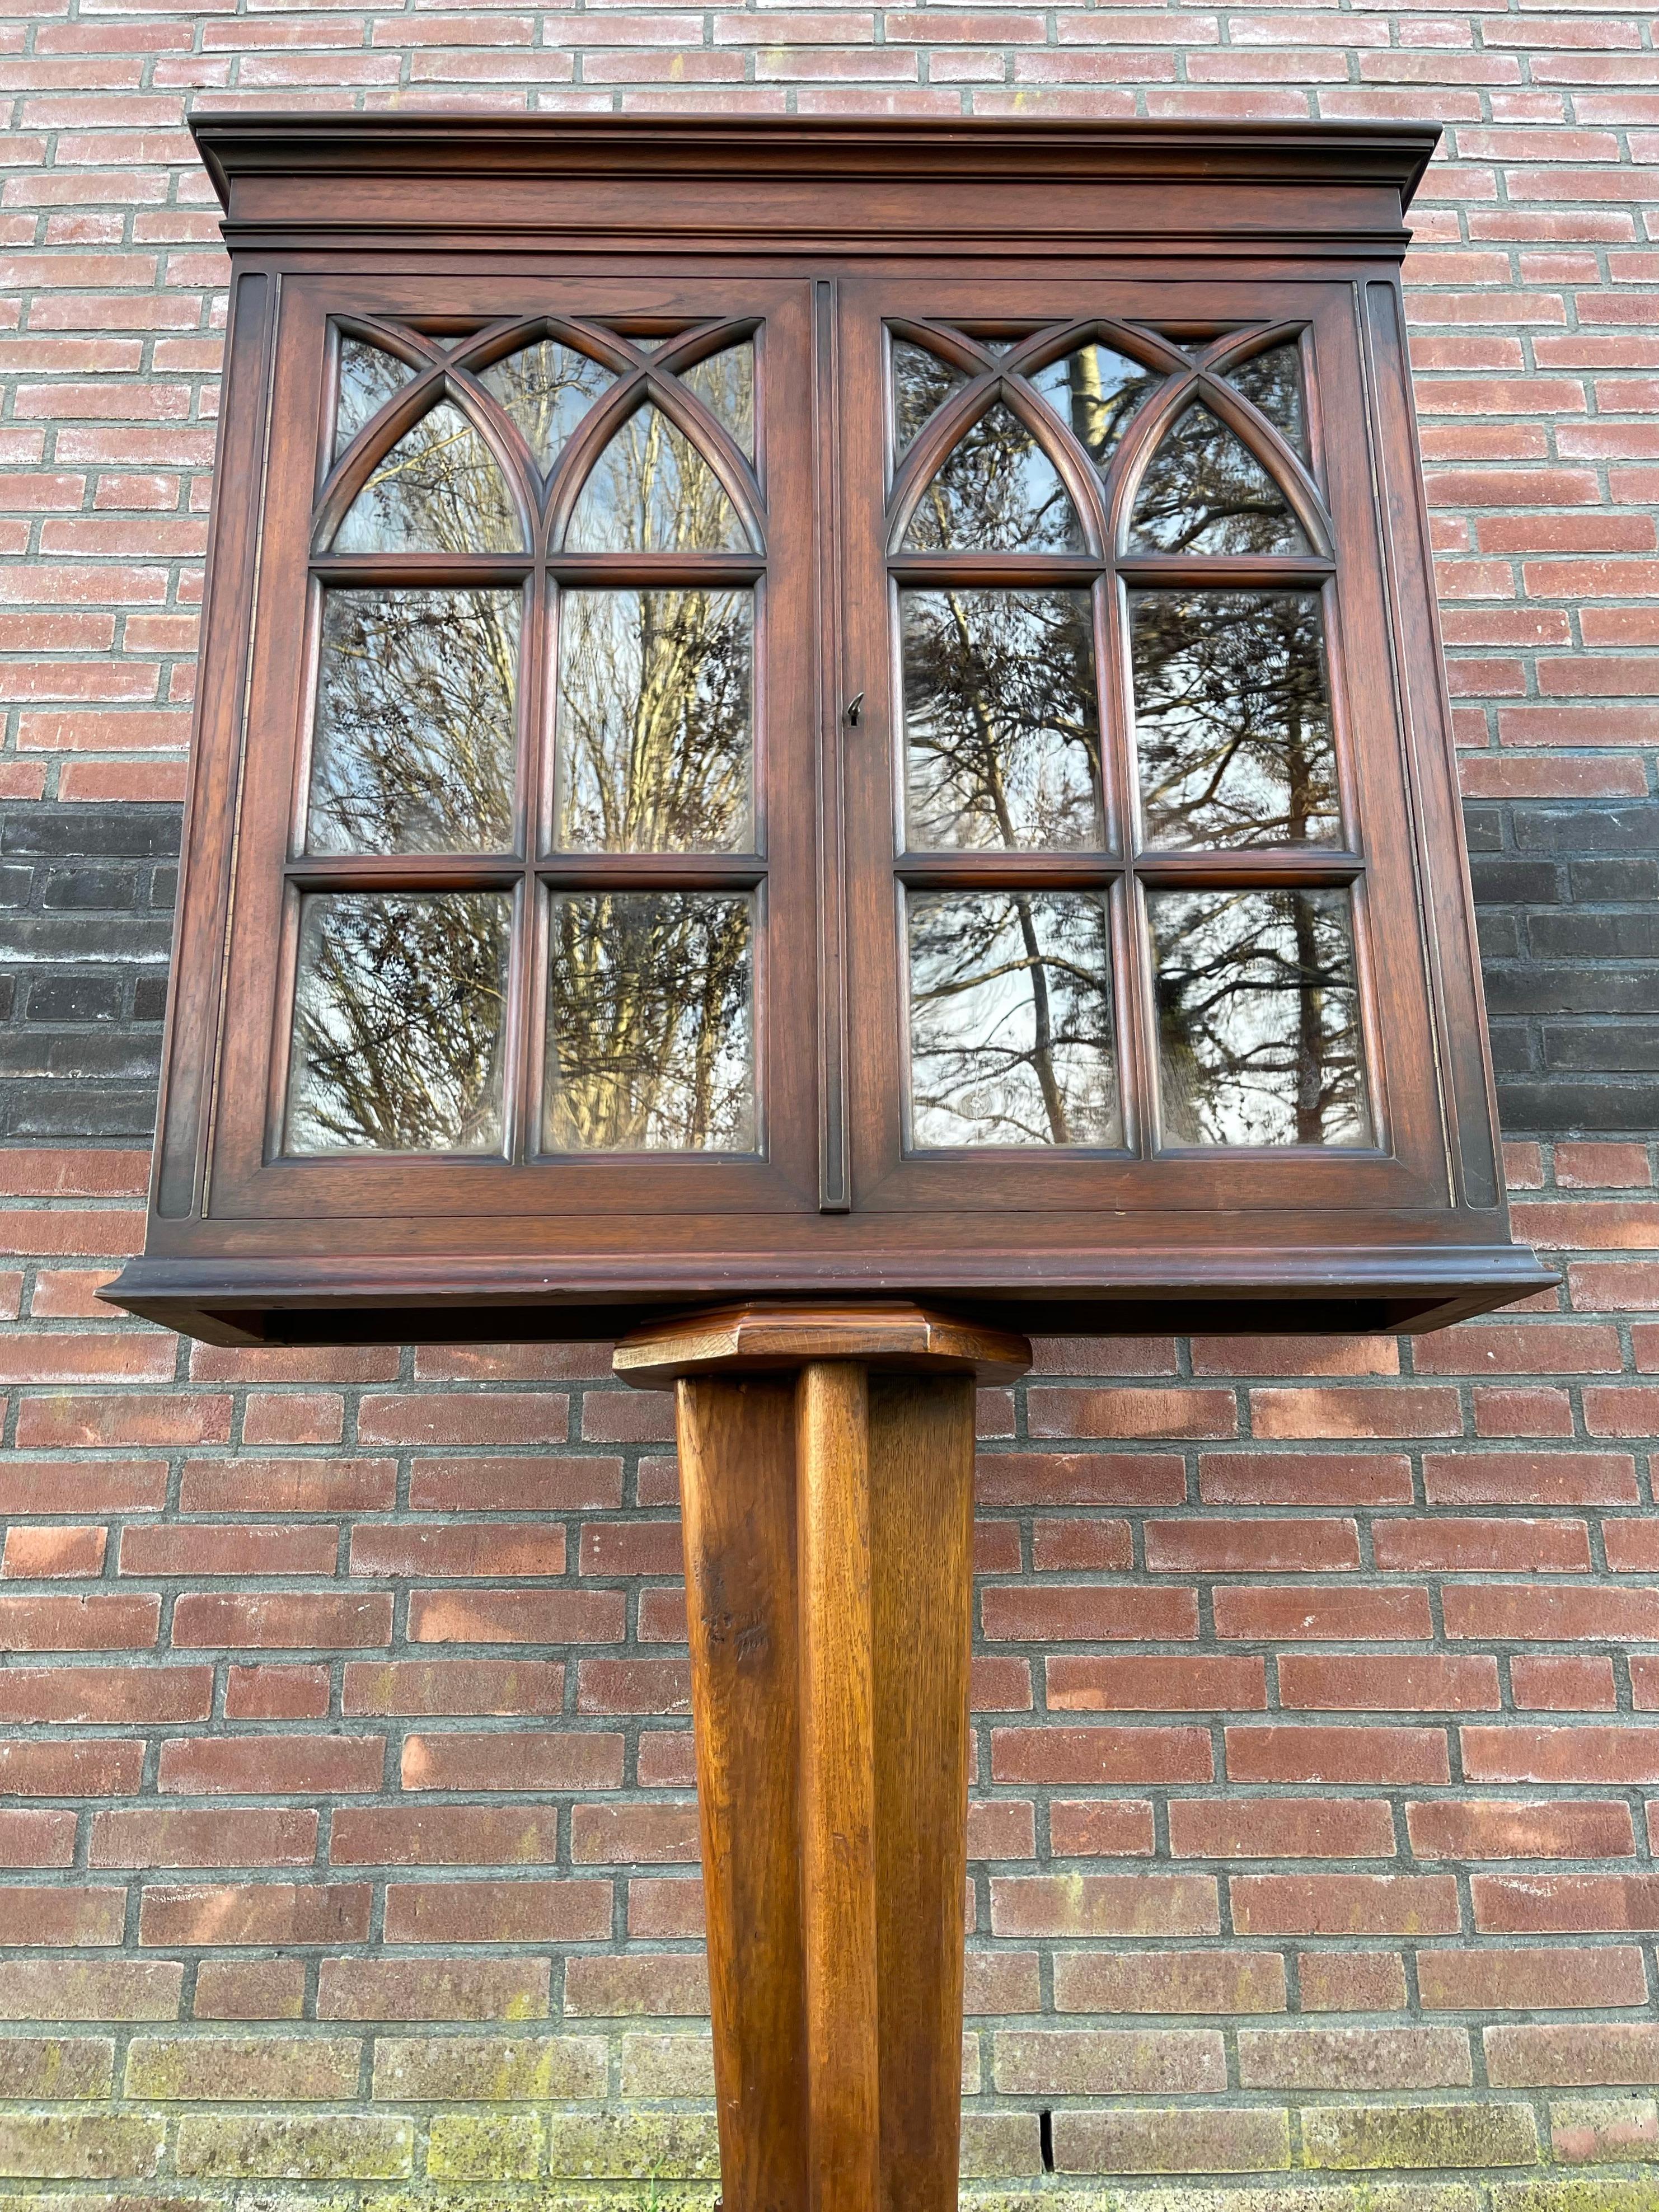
{"x": 819, "y": 708}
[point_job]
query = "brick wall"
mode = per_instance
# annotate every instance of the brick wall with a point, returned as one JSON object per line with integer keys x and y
{"x": 347, "y": 1838}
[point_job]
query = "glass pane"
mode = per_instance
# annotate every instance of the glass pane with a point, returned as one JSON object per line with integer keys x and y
{"x": 651, "y": 491}
{"x": 1258, "y": 1018}
{"x": 546, "y": 388}
{"x": 725, "y": 384}
{"x": 1273, "y": 382}
{"x": 415, "y": 726}
{"x": 1097, "y": 392}
{"x": 1233, "y": 719}
{"x": 1205, "y": 492}
{"x": 1010, "y": 1019}
{"x": 1001, "y": 731}
{"x": 369, "y": 377}
{"x": 996, "y": 492}
{"x": 650, "y": 1022}
{"x": 397, "y": 1022}
{"x": 438, "y": 490}
{"x": 654, "y": 746}
{"x": 922, "y": 384}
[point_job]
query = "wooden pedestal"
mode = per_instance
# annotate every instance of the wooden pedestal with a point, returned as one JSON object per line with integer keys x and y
{"x": 826, "y": 1478}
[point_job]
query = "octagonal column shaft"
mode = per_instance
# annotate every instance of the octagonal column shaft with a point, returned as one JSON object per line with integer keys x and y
{"x": 826, "y": 1477}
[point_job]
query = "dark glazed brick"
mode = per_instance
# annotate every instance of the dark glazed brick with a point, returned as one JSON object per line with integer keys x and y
{"x": 91, "y": 833}
{"x": 1514, "y": 990}
{"x": 1511, "y": 882}
{"x": 114, "y": 889}
{"x": 1594, "y": 936}
{"x": 1619, "y": 1048}
{"x": 149, "y": 999}
{"x": 1607, "y": 880}
{"x": 76, "y": 999}
{"x": 1587, "y": 829}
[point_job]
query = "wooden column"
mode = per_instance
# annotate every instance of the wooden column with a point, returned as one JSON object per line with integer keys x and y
{"x": 826, "y": 1479}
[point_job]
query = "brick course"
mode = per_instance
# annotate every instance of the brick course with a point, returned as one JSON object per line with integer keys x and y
{"x": 347, "y": 1822}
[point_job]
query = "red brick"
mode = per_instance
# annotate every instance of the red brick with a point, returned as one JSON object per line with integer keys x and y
{"x": 277, "y": 1913}
{"x": 280, "y": 1621}
{"x": 1100, "y": 1828}
{"x": 1313, "y": 1615}
{"x": 1154, "y": 1683}
{"x": 1454, "y": 1546}
{"x": 99, "y": 1767}
{"x": 1361, "y": 2057}
{"x": 249, "y": 1989}
{"x": 1078, "y": 1479}
{"x": 79, "y": 1623}
{"x": 1550, "y": 2054}
{"x": 68, "y": 1919}
{"x": 1002, "y": 1828}
{"x": 131, "y": 1485}
{"x": 1550, "y": 1682}
{"x": 1068, "y": 1547}
{"x": 1344, "y": 1904}
{"x": 243, "y": 1549}
{"x": 267, "y": 1765}
{"x": 1352, "y": 1981}
{"x": 432, "y": 1989}
{"x": 1304, "y": 1479}
{"x": 1538, "y": 1612}
{"x": 435, "y": 1834}
{"x": 515, "y": 1759}
{"x": 47, "y": 1553}
{"x": 1538, "y": 1979}
{"x": 111, "y": 1695}
{"x": 1407, "y": 1410}
{"x": 289, "y": 1485}
{"x": 1281, "y": 1828}
{"x": 633, "y": 1835}
{"x": 155, "y": 1836}
{"x": 1424, "y": 1682}
{"x": 631, "y": 1547}
{"x": 411, "y": 1552}
{"x": 33, "y": 1836}
{"x": 515, "y": 1616}
{"x": 633, "y": 1685}
{"x": 1582, "y": 1752}
{"x": 1087, "y": 1613}
{"x": 541, "y": 1485}
{"x": 1552, "y": 1478}
{"x": 1120, "y": 1411}
{"x": 1564, "y": 1903}
{"x": 523, "y": 1912}
{"x": 1104, "y": 1904}
{"x": 482, "y": 1417}
{"x": 1211, "y": 1546}
{"x": 71, "y": 1422}
{"x": 1100, "y": 1754}
{"x": 1358, "y": 1754}
{"x": 1221, "y": 1981}
{"x": 90, "y": 1988}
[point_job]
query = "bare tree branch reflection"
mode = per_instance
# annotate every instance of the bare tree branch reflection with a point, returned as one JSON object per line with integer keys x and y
{"x": 1204, "y": 491}
{"x": 546, "y": 388}
{"x": 1272, "y": 382}
{"x": 650, "y": 1036}
{"x": 1010, "y": 1019}
{"x": 1097, "y": 392}
{"x": 1233, "y": 719}
{"x": 922, "y": 384}
{"x": 995, "y": 491}
{"x": 655, "y": 753}
{"x": 652, "y": 491}
{"x": 1258, "y": 1018}
{"x": 415, "y": 727}
{"x": 438, "y": 490}
{"x": 369, "y": 377}
{"x": 1000, "y": 720}
{"x": 397, "y": 1023}
{"x": 725, "y": 382}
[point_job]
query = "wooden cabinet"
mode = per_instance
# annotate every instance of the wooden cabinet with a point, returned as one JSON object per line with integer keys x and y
{"x": 819, "y": 709}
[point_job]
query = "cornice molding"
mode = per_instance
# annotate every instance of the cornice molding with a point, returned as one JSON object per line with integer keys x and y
{"x": 819, "y": 149}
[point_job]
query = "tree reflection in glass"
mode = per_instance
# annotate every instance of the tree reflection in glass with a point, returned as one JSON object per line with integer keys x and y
{"x": 996, "y": 491}
{"x": 1233, "y": 719}
{"x": 1097, "y": 391}
{"x": 1259, "y": 1039}
{"x": 369, "y": 377}
{"x": 655, "y": 749}
{"x": 650, "y": 1022}
{"x": 1204, "y": 491}
{"x": 1010, "y": 1019}
{"x": 922, "y": 384}
{"x": 724, "y": 383}
{"x": 398, "y": 1019}
{"x": 1272, "y": 382}
{"x": 415, "y": 740}
{"x": 438, "y": 490}
{"x": 652, "y": 491}
{"x": 546, "y": 388}
{"x": 1001, "y": 728}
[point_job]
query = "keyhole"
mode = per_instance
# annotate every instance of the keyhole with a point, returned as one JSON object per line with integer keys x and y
{"x": 854, "y": 713}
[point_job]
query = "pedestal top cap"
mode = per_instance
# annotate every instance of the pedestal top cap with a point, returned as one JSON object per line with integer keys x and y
{"x": 897, "y": 1336}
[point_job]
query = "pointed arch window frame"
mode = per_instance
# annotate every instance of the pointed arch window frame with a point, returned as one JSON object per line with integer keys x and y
{"x": 1126, "y": 867}
{"x": 535, "y": 868}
